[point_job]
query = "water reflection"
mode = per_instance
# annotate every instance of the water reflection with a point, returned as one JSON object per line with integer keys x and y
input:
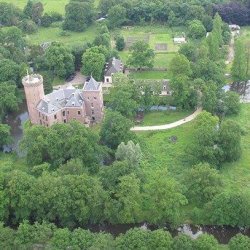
{"x": 16, "y": 121}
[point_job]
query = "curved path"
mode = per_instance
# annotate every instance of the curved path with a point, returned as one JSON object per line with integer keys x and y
{"x": 170, "y": 125}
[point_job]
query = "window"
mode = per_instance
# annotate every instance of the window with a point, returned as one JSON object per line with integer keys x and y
{"x": 63, "y": 113}
{"x": 64, "y": 121}
{"x": 92, "y": 105}
{"x": 43, "y": 117}
{"x": 46, "y": 118}
{"x": 95, "y": 98}
{"x": 55, "y": 117}
{"x": 93, "y": 118}
{"x": 79, "y": 112}
{"x": 93, "y": 112}
{"x": 107, "y": 80}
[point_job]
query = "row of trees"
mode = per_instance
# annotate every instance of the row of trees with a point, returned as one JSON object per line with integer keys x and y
{"x": 49, "y": 236}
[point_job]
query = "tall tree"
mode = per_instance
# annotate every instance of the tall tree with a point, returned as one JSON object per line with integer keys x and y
{"x": 116, "y": 16}
{"x": 141, "y": 56}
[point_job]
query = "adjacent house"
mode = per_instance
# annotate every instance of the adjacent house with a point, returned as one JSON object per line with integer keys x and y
{"x": 63, "y": 105}
{"x": 112, "y": 67}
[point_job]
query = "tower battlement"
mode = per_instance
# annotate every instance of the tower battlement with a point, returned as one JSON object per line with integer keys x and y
{"x": 32, "y": 80}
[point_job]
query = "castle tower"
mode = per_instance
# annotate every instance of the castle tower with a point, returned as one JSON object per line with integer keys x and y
{"x": 93, "y": 98}
{"x": 34, "y": 92}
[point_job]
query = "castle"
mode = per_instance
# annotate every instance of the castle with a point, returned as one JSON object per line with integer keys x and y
{"x": 63, "y": 105}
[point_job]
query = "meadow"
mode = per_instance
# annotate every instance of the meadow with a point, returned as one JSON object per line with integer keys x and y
{"x": 162, "y": 153}
{"x": 49, "y": 5}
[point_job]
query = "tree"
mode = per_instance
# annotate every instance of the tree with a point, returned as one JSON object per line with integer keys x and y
{"x": 230, "y": 141}
{"x": 9, "y": 14}
{"x": 206, "y": 242}
{"x": 141, "y": 55}
{"x": 28, "y": 26}
{"x": 125, "y": 207}
{"x": 189, "y": 50}
{"x": 120, "y": 43}
{"x": 46, "y": 20}
{"x": 7, "y": 236}
{"x": 196, "y": 30}
{"x": 61, "y": 239}
{"x": 123, "y": 96}
{"x": 202, "y": 183}
{"x": 163, "y": 199}
{"x": 130, "y": 152}
{"x": 205, "y": 148}
{"x": 37, "y": 12}
{"x": 217, "y": 29}
{"x": 231, "y": 102}
{"x": 9, "y": 71}
{"x": 182, "y": 242}
{"x": 93, "y": 63}
{"x": 239, "y": 242}
{"x": 5, "y": 137}
{"x": 8, "y": 98}
{"x": 60, "y": 60}
{"x": 104, "y": 40}
{"x": 229, "y": 208}
{"x": 135, "y": 238}
{"x": 27, "y": 11}
{"x": 239, "y": 66}
{"x": 160, "y": 239}
{"x": 115, "y": 129}
{"x": 116, "y": 16}
{"x": 209, "y": 96}
{"x": 180, "y": 66}
{"x": 78, "y": 15}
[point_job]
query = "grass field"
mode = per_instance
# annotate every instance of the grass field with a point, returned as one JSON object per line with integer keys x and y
{"x": 52, "y": 34}
{"x": 161, "y": 153}
{"x": 49, "y": 5}
{"x": 163, "y": 117}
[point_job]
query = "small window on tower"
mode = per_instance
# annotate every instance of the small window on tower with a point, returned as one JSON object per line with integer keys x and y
{"x": 79, "y": 112}
{"x": 55, "y": 116}
{"x": 95, "y": 98}
{"x": 63, "y": 113}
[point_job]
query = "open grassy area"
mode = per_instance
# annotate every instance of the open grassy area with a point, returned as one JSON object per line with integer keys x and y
{"x": 52, "y": 34}
{"x": 161, "y": 153}
{"x": 163, "y": 117}
{"x": 49, "y": 5}
{"x": 149, "y": 75}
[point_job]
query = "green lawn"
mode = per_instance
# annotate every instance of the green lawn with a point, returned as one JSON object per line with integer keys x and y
{"x": 149, "y": 75}
{"x": 49, "y": 5}
{"x": 54, "y": 34}
{"x": 163, "y": 117}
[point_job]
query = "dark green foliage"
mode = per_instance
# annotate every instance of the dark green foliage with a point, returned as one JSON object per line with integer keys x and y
{"x": 120, "y": 43}
{"x": 115, "y": 129}
{"x": 9, "y": 71}
{"x": 27, "y": 11}
{"x": 229, "y": 208}
{"x": 202, "y": 183}
{"x": 141, "y": 56}
{"x": 183, "y": 242}
{"x": 116, "y": 16}
{"x": 230, "y": 141}
{"x": 28, "y": 26}
{"x": 60, "y": 60}
{"x": 79, "y": 15}
{"x": 46, "y": 20}
{"x": 206, "y": 242}
{"x": 9, "y": 14}
{"x": 196, "y": 30}
{"x": 50, "y": 145}
{"x": 37, "y": 12}
{"x": 5, "y": 137}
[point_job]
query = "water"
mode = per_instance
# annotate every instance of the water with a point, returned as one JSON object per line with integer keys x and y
{"x": 222, "y": 233}
{"x": 16, "y": 120}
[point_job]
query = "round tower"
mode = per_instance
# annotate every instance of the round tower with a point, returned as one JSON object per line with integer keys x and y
{"x": 34, "y": 92}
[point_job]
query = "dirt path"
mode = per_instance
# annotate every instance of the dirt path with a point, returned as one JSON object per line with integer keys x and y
{"x": 170, "y": 125}
{"x": 230, "y": 56}
{"x": 78, "y": 79}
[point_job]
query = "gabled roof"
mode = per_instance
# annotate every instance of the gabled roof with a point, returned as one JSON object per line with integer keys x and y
{"x": 92, "y": 84}
{"x": 113, "y": 66}
{"x": 59, "y": 99}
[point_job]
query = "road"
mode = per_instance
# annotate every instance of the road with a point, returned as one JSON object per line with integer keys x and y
{"x": 170, "y": 125}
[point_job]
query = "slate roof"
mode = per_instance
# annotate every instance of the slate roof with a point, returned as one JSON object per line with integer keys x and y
{"x": 113, "y": 66}
{"x": 59, "y": 99}
{"x": 92, "y": 84}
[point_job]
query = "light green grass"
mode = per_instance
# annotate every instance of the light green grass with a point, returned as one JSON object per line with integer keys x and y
{"x": 53, "y": 34}
{"x": 163, "y": 117}
{"x": 157, "y": 34}
{"x": 149, "y": 75}
{"x": 49, "y": 5}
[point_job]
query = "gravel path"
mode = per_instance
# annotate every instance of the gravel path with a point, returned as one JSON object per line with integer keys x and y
{"x": 170, "y": 125}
